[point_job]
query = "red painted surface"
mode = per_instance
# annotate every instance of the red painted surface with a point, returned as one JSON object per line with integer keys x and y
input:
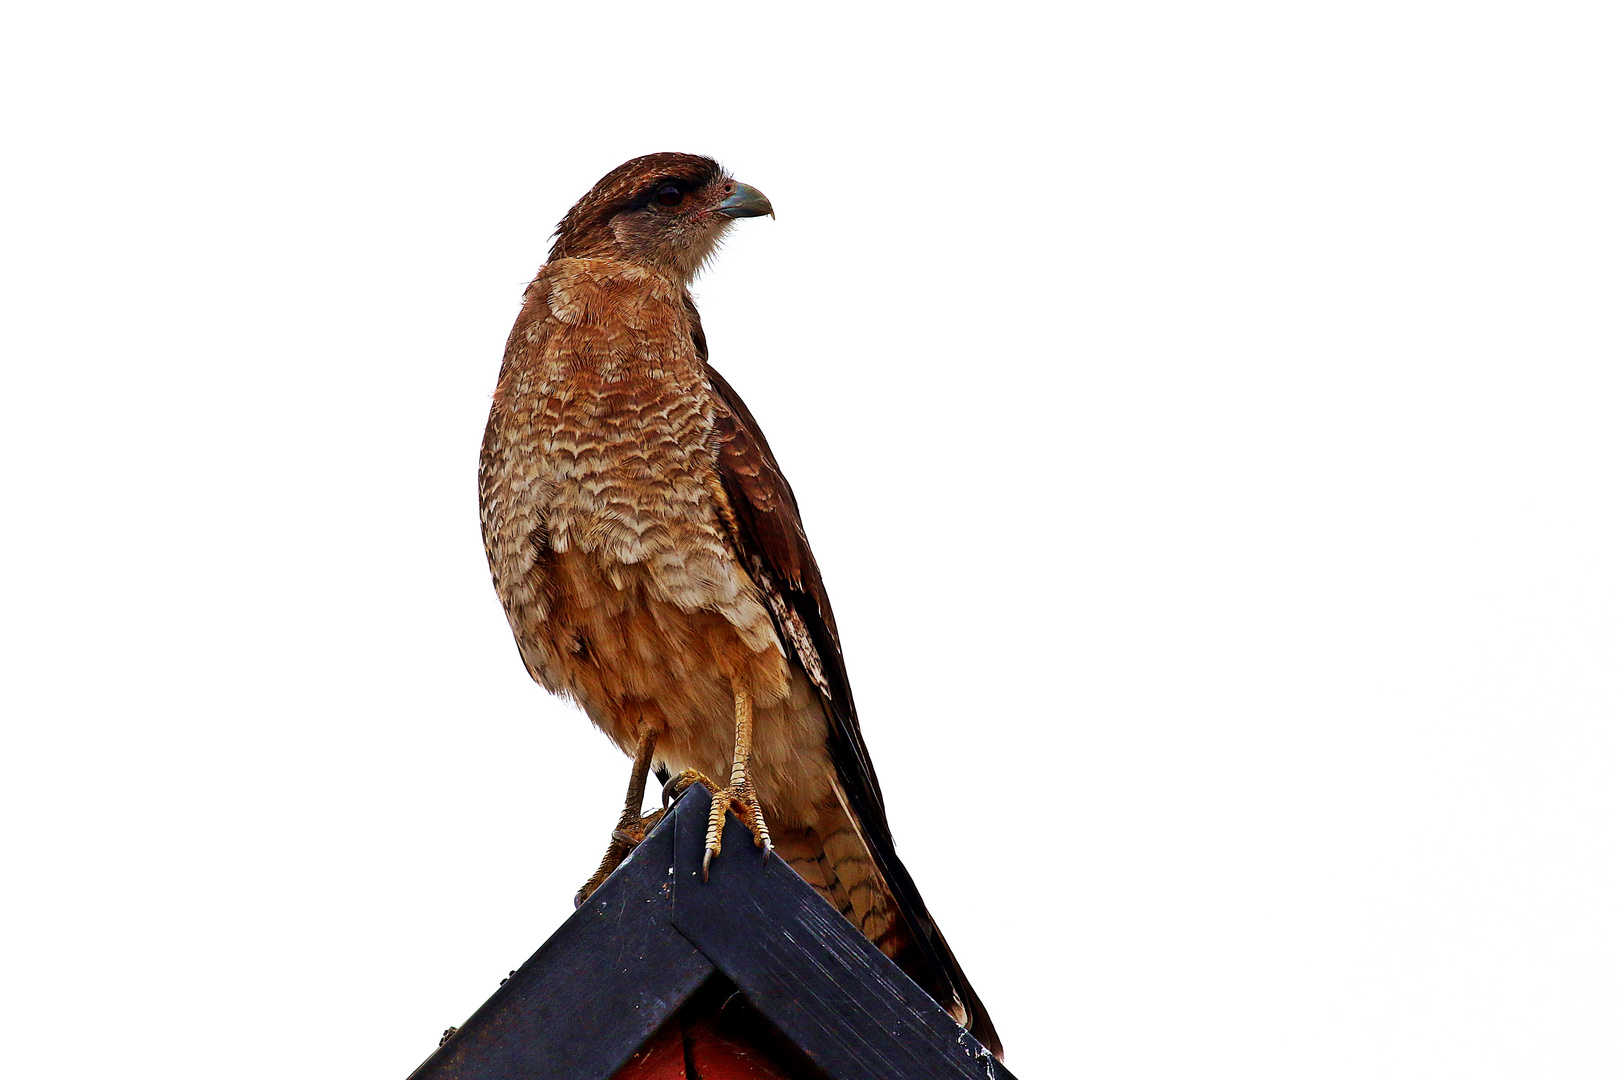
{"x": 660, "y": 1057}
{"x": 687, "y": 1049}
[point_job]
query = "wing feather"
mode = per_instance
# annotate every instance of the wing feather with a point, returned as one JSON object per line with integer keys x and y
{"x": 770, "y": 537}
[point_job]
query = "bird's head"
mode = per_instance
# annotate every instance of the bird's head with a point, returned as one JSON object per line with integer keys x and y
{"x": 663, "y": 211}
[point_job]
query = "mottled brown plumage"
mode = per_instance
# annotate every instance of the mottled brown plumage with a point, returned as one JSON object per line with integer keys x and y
{"x": 652, "y": 562}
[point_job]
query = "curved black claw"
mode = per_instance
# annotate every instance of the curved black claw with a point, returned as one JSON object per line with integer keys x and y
{"x": 741, "y": 798}
{"x": 676, "y": 785}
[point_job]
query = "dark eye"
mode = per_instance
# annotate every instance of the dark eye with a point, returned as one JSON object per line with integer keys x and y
{"x": 669, "y": 195}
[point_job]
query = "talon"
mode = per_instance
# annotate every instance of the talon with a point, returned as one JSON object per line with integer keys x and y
{"x": 676, "y": 785}
{"x": 740, "y": 799}
{"x": 739, "y": 795}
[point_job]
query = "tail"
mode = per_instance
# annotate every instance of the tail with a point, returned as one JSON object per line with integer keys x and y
{"x": 868, "y": 885}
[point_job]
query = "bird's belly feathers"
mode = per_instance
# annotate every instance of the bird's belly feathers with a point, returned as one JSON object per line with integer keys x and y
{"x": 623, "y": 591}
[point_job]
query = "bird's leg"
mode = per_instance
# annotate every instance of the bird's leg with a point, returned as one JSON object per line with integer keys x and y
{"x": 632, "y": 827}
{"x": 739, "y": 794}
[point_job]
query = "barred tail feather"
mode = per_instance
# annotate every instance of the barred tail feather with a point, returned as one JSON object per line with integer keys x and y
{"x": 834, "y": 857}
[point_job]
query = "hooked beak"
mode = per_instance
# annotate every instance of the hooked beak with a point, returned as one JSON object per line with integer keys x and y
{"x": 745, "y": 202}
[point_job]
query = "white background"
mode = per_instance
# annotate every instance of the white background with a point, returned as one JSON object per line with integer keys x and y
{"x": 1205, "y": 417}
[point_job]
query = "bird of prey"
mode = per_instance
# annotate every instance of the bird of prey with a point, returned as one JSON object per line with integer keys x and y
{"x": 654, "y": 569}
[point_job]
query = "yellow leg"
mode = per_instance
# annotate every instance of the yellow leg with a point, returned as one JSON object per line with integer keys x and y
{"x": 739, "y": 794}
{"x": 632, "y": 827}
